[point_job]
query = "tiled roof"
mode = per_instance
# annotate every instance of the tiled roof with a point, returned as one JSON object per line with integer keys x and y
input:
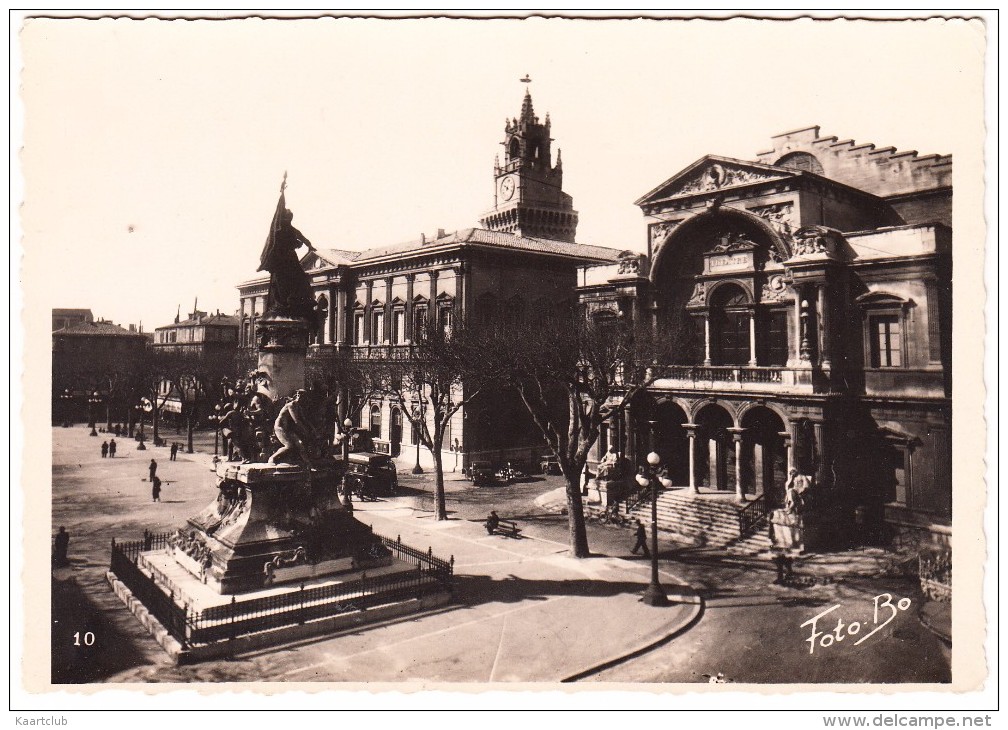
{"x": 64, "y": 312}
{"x": 484, "y": 237}
{"x": 96, "y": 329}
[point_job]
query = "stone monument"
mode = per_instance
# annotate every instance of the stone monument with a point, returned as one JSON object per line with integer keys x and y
{"x": 278, "y": 516}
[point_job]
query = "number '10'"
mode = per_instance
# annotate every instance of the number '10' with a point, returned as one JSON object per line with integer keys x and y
{"x": 89, "y": 638}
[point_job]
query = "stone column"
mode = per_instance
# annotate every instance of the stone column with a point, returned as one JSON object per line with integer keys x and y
{"x": 789, "y": 447}
{"x": 796, "y": 353}
{"x": 341, "y": 315}
{"x": 432, "y": 313}
{"x": 331, "y": 316}
{"x": 737, "y": 438}
{"x": 822, "y": 467}
{"x": 934, "y": 331}
{"x": 410, "y": 278}
{"x": 631, "y": 447}
{"x": 691, "y": 433}
{"x": 460, "y": 289}
{"x": 706, "y": 335}
{"x": 752, "y": 338}
{"x": 368, "y": 336}
{"x": 387, "y": 334}
{"x": 822, "y": 320}
{"x": 795, "y": 443}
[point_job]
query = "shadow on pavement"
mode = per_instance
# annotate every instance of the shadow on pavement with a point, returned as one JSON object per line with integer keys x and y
{"x": 474, "y": 590}
{"x": 85, "y": 646}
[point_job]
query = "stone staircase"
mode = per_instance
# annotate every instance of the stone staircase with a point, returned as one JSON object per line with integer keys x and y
{"x": 703, "y": 521}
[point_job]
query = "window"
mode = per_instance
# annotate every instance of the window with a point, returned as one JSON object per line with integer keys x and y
{"x": 445, "y": 319}
{"x": 358, "y": 331}
{"x": 376, "y": 422}
{"x": 378, "y": 327}
{"x": 398, "y": 327}
{"x": 884, "y": 341}
{"x": 730, "y": 325}
{"x": 419, "y": 320}
{"x": 776, "y": 352}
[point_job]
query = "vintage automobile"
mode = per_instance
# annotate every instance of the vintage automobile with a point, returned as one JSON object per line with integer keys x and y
{"x": 372, "y": 475}
{"x": 549, "y": 465}
{"x": 482, "y": 474}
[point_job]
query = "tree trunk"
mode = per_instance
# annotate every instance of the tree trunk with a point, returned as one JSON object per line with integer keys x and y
{"x": 575, "y": 517}
{"x": 108, "y": 414}
{"x": 190, "y": 427}
{"x": 440, "y": 507}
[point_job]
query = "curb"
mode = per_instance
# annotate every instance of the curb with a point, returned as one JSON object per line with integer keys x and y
{"x": 692, "y": 620}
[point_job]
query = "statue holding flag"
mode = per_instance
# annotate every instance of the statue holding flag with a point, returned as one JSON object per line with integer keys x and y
{"x": 289, "y": 289}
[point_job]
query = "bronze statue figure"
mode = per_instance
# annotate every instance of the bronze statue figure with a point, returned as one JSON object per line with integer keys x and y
{"x": 290, "y": 292}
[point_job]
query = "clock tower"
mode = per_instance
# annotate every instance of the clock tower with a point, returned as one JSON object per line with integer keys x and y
{"x": 528, "y": 188}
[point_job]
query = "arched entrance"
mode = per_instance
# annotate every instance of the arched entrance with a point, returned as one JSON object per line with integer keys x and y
{"x": 672, "y": 441}
{"x": 764, "y": 455}
{"x": 715, "y": 451}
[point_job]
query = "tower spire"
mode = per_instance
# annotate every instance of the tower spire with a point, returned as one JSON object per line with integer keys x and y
{"x": 527, "y": 112}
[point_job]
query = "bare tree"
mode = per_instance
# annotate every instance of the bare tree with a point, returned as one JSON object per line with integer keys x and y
{"x": 573, "y": 374}
{"x": 346, "y": 383}
{"x": 437, "y": 376}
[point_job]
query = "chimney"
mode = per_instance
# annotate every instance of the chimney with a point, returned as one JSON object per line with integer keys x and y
{"x": 132, "y": 328}
{"x": 423, "y": 238}
{"x": 440, "y": 232}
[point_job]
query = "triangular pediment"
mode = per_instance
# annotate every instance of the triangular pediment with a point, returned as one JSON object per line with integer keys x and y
{"x": 712, "y": 174}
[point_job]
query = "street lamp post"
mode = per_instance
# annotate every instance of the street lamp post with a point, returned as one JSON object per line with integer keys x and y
{"x": 347, "y": 425}
{"x": 142, "y": 407}
{"x": 216, "y": 433}
{"x": 417, "y": 414}
{"x": 653, "y": 474}
{"x": 67, "y": 398}
{"x": 93, "y": 401}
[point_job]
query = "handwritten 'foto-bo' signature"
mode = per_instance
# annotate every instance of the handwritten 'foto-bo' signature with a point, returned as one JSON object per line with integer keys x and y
{"x": 844, "y": 631}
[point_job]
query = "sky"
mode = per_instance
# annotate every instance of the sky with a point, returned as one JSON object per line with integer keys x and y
{"x": 154, "y": 150}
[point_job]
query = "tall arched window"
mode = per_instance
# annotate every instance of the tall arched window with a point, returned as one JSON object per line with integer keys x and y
{"x": 376, "y": 421}
{"x": 730, "y": 312}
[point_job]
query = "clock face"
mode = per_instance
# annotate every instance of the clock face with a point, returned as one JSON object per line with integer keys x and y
{"x": 507, "y": 187}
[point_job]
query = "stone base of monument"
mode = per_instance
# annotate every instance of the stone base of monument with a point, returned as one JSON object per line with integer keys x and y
{"x": 203, "y": 624}
{"x": 273, "y": 524}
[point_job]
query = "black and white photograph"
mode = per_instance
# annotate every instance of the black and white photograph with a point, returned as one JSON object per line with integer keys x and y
{"x": 613, "y": 357}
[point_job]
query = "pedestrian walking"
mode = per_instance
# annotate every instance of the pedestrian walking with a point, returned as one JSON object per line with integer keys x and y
{"x": 641, "y": 535}
{"x": 118, "y": 430}
{"x": 152, "y": 469}
{"x": 156, "y": 488}
{"x": 104, "y": 449}
{"x": 174, "y": 450}
{"x": 111, "y": 449}
{"x": 60, "y": 547}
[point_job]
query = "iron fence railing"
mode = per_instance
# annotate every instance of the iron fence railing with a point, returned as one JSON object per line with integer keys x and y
{"x": 164, "y": 599}
{"x": 753, "y": 515}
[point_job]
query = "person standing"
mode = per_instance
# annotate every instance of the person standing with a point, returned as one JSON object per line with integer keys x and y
{"x": 60, "y": 548}
{"x": 174, "y": 451}
{"x": 152, "y": 469}
{"x": 111, "y": 449}
{"x": 641, "y": 544}
{"x": 104, "y": 449}
{"x": 156, "y": 488}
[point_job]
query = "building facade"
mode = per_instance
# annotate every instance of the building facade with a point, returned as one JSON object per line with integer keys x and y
{"x": 94, "y": 361}
{"x": 199, "y": 335}
{"x": 812, "y": 287}
{"x": 371, "y": 301}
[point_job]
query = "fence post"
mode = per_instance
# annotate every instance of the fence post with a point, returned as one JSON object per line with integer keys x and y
{"x": 233, "y": 612}
{"x": 363, "y": 578}
{"x": 301, "y": 608}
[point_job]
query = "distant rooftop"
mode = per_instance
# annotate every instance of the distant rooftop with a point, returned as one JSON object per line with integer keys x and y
{"x": 101, "y": 328}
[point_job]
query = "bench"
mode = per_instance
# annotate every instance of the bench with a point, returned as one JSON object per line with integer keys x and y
{"x": 508, "y": 528}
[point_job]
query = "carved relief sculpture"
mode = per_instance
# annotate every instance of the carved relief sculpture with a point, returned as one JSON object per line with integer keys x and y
{"x": 699, "y": 295}
{"x": 775, "y": 289}
{"x": 716, "y": 177}
{"x": 813, "y": 240}
{"x": 660, "y": 233}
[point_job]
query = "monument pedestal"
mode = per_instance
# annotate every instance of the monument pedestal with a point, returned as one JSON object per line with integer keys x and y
{"x": 275, "y": 523}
